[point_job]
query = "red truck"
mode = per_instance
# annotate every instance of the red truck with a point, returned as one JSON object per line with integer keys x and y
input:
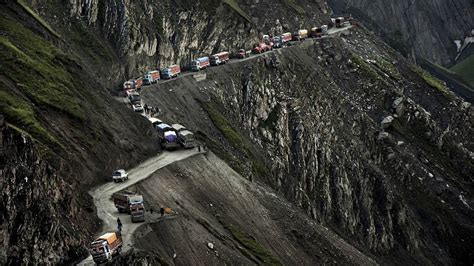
{"x": 219, "y": 58}
{"x": 123, "y": 200}
{"x": 261, "y": 48}
{"x": 106, "y": 246}
{"x": 152, "y": 77}
{"x": 171, "y": 72}
{"x": 137, "y": 212}
{"x": 138, "y": 83}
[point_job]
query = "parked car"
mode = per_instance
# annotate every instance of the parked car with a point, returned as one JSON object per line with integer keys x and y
{"x": 120, "y": 175}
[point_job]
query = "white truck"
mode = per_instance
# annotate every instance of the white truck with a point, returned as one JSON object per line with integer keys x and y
{"x": 186, "y": 139}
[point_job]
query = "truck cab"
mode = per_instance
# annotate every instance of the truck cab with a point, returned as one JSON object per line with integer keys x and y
{"x": 137, "y": 212}
{"x": 277, "y": 43}
{"x": 106, "y": 246}
{"x": 166, "y": 73}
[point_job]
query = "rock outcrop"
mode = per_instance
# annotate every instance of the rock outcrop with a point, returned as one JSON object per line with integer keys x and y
{"x": 352, "y": 133}
{"x": 429, "y": 27}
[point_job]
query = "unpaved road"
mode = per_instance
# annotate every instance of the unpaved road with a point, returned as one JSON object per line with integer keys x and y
{"x": 106, "y": 210}
{"x": 331, "y": 31}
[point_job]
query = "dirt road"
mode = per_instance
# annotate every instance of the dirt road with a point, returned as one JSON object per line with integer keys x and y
{"x": 331, "y": 31}
{"x": 106, "y": 210}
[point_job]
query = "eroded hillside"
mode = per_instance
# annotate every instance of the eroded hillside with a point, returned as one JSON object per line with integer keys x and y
{"x": 351, "y": 132}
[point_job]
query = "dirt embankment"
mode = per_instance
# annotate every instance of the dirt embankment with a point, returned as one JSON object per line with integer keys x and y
{"x": 245, "y": 222}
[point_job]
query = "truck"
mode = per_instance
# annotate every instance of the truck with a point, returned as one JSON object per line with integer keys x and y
{"x": 171, "y": 72}
{"x": 106, "y": 246}
{"x": 155, "y": 122}
{"x": 261, "y": 47}
{"x": 316, "y": 32}
{"x": 124, "y": 199}
{"x": 178, "y": 127}
{"x": 277, "y": 42}
{"x": 219, "y": 58}
{"x": 151, "y": 77}
{"x": 186, "y": 139}
{"x": 324, "y": 29}
{"x": 300, "y": 35}
{"x": 138, "y": 83}
{"x": 338, "y": 21}
{"x": 241, "y": 54}
{"x": 135, "y": 98}
{"x": 169, "y": 140}
{"x": 128, "y": 85}
{"x": 286, "y": 37}
{"x": 137, "y": 212}
{"x": 200, "y": 63}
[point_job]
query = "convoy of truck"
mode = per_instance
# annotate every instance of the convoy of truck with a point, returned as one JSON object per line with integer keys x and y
{"x": 171, "y": 137}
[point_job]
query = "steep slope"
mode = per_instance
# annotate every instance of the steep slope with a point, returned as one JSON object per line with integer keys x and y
{"x": 59, "y": 131}
{"x": 465, "y": 69}
{"x": 245, "y": 222}
{"x": 350, "y": 131}
{"x": 430, "y": 27}
{"x": 59, "y": 60}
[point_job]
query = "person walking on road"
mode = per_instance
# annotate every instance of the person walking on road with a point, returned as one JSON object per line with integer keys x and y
{"x": 151, "y": 209}
{"x": 119, "y": 224}
{"x": 162, "y": 211}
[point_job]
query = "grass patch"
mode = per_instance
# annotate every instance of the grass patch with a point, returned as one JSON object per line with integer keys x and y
{"x": 38, "y": 69}
{"x": 465, "y": 69}
{"x": 295, "y": 6}
{"x": 432, "y": 81}
{"x": 252, "y": 245}
{"x": 235, "y": 6}
{"x": 388, "y": 68}
{"x": 87, "y": 42}
{"x": 365, "y": 67}
{"x": 35, "y": 16}
{"x": 19, "y": 112}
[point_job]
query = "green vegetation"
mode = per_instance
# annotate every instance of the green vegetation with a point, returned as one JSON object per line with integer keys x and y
{"x": 388, "y": 68}
{"x": 18, "y": 111}
{"x": 295, "y": 6}
{"x": 38, "y": 71}
{"x": 234, "y": 5}
{"x": 365, "y": 67}
{"x": 252, "y": 245}
{"x": 465, "y": 69}
{"x": 33, "y": 14}
{"x": 432, "y": 81}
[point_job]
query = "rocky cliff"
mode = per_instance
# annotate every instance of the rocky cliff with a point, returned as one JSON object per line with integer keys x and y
{"x": 428, "y": 27}
{"x": 147, "y": 35}
{"x": 352, "y": 133}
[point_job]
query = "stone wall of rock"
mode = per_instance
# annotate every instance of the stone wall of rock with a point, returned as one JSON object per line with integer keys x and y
{"x": 430, "y": 27}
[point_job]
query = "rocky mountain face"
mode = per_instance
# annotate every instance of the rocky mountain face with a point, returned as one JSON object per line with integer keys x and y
{"x": 351, "y": 132}
{"x": 346, "y": 129}
{"x": 146, "y": 35}
{"x": 428, "y": 27}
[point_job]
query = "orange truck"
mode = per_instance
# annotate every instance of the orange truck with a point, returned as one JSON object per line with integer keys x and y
{"x": 106, "y": 246}
{"x": 219, "y": 58}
